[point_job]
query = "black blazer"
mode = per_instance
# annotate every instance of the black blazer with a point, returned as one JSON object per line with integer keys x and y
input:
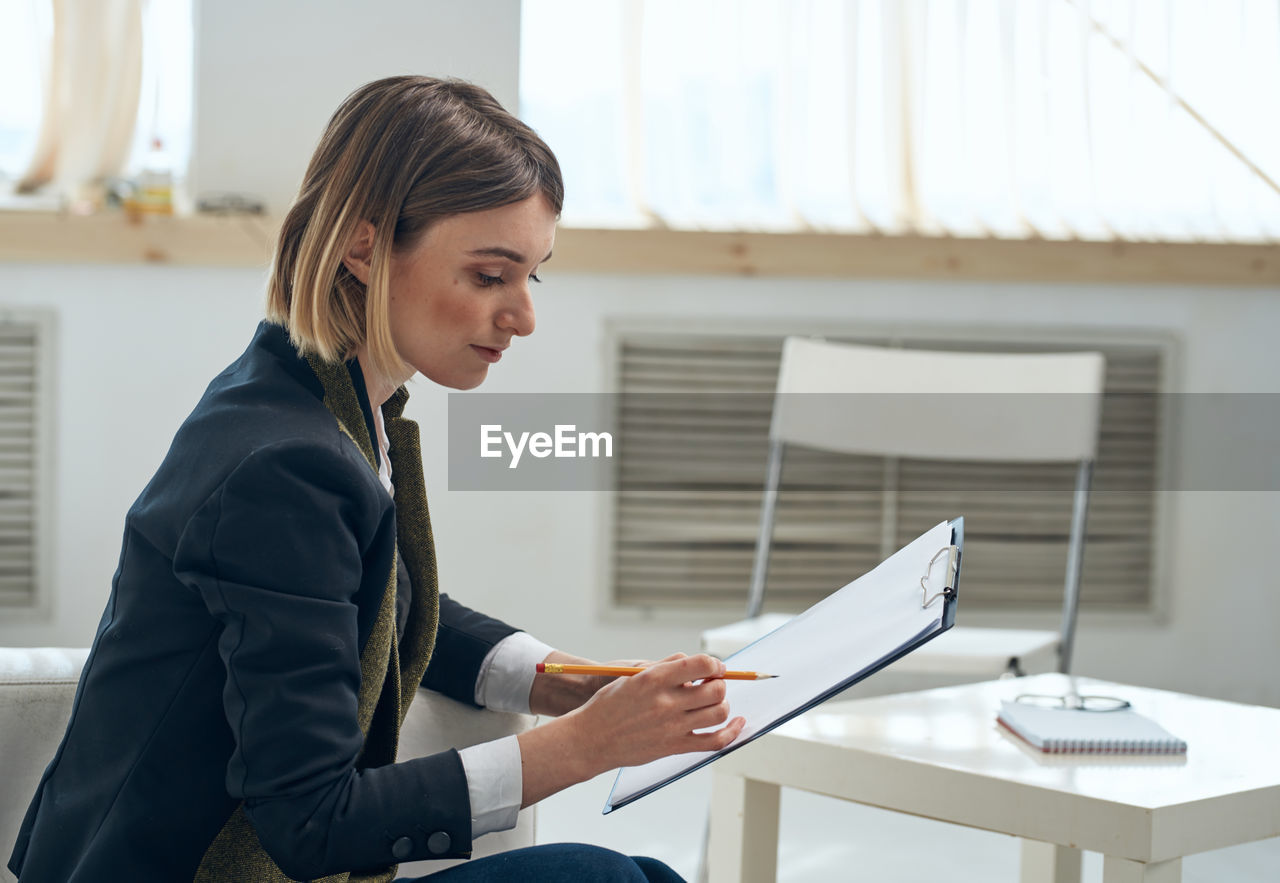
{"x": 227, "y": 662}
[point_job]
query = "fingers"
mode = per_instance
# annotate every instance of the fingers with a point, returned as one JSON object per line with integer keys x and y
{"x": 718, "y": 739}
{"x": 711, "y": 692}
{"x": 681, "y": 669}
{"x": 709, "y": 716}
{"x": 657, "y": 712}
{"x": 685, "y": 684}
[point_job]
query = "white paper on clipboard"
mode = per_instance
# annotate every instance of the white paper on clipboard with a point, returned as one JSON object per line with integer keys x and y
{"x": 844, "y": 638}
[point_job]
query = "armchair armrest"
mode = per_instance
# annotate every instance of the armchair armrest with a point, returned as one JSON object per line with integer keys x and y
{"x": 38, "y": 684}
{"x": 435, "y": 723}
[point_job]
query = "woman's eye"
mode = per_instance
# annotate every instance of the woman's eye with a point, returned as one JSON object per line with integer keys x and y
{"x": 533, "y": 277}
{"x": 485, "y": 280}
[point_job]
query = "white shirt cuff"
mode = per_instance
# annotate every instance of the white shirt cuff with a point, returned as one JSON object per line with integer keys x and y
{"x": 495, "y": 783}
{"x": 506, "y": 675}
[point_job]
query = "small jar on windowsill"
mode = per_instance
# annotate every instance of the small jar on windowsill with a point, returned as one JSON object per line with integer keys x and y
{"x": 153, "y": 193}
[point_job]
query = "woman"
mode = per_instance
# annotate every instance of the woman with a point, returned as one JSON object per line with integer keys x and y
{"x": 275, "y": 607}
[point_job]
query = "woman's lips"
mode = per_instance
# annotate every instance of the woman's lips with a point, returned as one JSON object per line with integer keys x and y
{"x": 489, "y": 354}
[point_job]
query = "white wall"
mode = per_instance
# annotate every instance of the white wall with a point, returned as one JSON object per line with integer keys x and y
{"x": 269, "y": 73}
{"x": 137, "y": 345}
{"x": 1220, "y": 597}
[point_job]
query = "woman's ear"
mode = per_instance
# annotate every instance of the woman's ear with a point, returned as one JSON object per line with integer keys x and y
{"x": 359, "y": 254}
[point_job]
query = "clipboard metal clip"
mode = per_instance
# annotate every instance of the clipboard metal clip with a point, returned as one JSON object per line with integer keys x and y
{"x": 949, "y": 587}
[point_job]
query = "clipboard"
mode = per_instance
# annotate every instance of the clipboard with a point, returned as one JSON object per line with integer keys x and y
{"x": 903, "y": 603}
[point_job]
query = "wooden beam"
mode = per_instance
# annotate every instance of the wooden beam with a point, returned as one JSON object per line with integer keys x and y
{"x": 914, "y": 257}
{"x": 45, "y": 237}
{"x": 112, "y": 238}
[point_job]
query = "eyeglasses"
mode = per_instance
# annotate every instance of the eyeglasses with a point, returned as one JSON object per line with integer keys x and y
{"x": 1074, "y": 702}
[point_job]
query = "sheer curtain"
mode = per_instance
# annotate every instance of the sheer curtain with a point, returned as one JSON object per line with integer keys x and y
{"x": 93, "y": 75}
{"x": 1100, "y": 119}
{"x": 90, "y": 85}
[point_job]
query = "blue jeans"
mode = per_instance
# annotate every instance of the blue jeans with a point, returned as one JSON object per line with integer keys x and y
{"x": 555, "y": 863}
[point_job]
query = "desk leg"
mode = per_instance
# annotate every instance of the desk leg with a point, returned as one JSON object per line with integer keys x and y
{"x": 744, "y": 830}
{"x": 1122, "y": 870}
{"x": 1049, "y": 863}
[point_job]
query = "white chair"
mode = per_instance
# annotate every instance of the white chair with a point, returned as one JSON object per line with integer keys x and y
{"x": 1031, "y": 408}
{"x": 37, "y": 685}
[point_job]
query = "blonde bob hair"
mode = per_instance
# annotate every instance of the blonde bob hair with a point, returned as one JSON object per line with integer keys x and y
{"x": 400, "y": 153}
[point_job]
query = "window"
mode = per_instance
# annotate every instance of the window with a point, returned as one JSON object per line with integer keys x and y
{"x": 27, "y": 26}
{"x": 123, "y": 79}
{"x": 166, "y": 91}
{"x": 26, "y": 445}
{"x": 693, "y": 425}
{"x": 1107, "y": 119}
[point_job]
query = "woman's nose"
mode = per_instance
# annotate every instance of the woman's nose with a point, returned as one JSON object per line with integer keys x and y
{"x": 518, "y": 316}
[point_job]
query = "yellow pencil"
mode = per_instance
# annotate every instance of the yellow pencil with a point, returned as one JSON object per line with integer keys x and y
{"x": 622, "y": 671}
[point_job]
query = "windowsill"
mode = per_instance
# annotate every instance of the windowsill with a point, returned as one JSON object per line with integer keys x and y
{"x": 41, "y": 237}
{"x": 247, "y": 241}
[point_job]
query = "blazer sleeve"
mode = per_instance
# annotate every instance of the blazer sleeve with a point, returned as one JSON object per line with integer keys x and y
{"x": 463, "y": 640}
{"x": 278, "y": 554}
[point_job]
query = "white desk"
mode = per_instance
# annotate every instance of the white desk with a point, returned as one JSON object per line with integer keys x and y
{"x": 939, "y": 754}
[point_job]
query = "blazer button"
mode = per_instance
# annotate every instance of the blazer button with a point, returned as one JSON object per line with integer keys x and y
{"x": 439, "y": 843}
{"x": 402, "y": 848}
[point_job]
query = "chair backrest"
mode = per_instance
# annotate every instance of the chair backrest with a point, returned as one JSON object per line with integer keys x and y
{"x": 1041, "y": 407}
{"x": 926, "y": 404}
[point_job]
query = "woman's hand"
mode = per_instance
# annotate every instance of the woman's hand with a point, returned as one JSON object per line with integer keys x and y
{"x": 560, "y": 694}
{"x": 631, "y": 721}
{"x": 653, "y": 714}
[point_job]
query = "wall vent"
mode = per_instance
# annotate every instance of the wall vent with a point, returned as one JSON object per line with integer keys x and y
{"x": 690, "y": 469}
{"x": 26, "y": 445}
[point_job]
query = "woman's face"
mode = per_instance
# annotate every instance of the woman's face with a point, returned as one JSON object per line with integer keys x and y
{"x": 462, "y": 292}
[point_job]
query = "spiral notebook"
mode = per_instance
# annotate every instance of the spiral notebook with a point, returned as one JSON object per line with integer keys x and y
{"x": 1071, "y": 731}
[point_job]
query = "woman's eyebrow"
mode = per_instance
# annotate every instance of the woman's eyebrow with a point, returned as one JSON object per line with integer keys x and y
{"x": 498, "y": 251}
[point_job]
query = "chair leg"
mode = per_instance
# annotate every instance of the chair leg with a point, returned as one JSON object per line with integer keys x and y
{"x": 768, "y": 507}
{"x": 700, "y": 875}
{"x": 1075, "y": 565}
